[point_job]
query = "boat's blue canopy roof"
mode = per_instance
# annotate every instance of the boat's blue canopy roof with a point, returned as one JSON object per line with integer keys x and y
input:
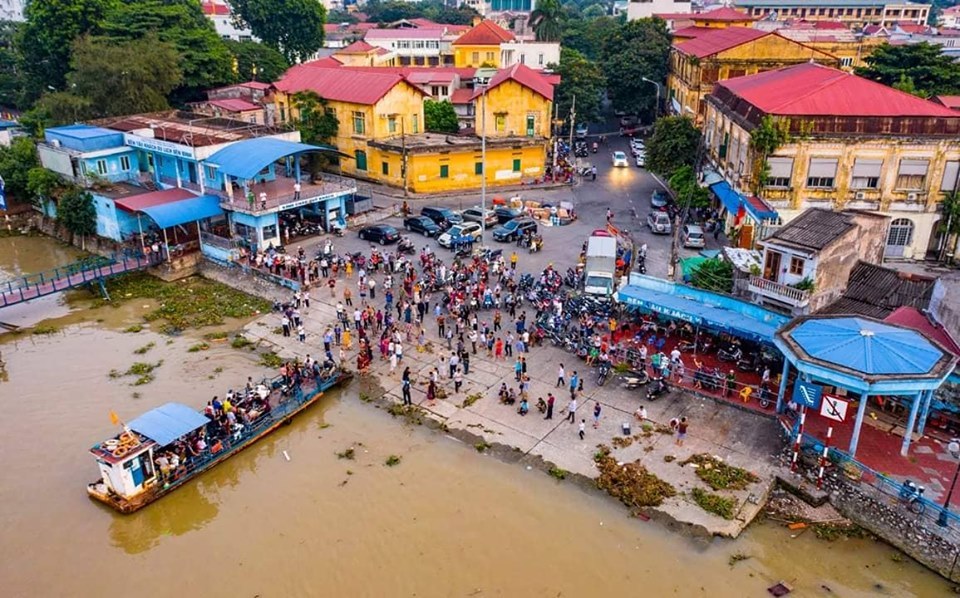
{"x": 866, "y": 346}
{"x": 168, "y": 422}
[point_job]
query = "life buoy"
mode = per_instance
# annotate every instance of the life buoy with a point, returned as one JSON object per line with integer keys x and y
{"x": 111, "y": 444}
{"x": 121, "y": 451}
{"x": 127, "y": 437}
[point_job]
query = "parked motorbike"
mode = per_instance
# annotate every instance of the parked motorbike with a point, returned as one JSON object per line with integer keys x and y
{"x": 406, "y": 246}
{"x": 635, "y": 379}
{"x": 604, "y": 371}
{"x": 749, "y": 362}
{"x": 572, "y": 280}
{"x": 659, "y": 387}
{"x": 731, "y": 353}
{"x": 709, "y": 379}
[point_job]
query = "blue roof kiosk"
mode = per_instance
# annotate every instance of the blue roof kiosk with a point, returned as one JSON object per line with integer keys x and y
{"x": 259, "y": 178}
{"x": 868, "y": 357}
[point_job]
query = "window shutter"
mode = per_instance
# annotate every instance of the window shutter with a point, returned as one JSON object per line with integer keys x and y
{"x": 780, "y": 168}
{"x": 823, "y": 168}
{"x": 864, "y": 168}
{"x": 913, "y": 167}
{"x": 950, "y": 176}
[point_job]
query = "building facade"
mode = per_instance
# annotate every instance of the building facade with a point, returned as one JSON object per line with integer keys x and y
{"x": 849, "y": 12}
{"x": 851, "y": 144}
{"x": 712, "y": 55}
{"x": 480, "y": 46}
{"x": 645, "y": 9}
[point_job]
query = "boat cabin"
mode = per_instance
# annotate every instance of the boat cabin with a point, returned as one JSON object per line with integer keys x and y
{"x": 126, "y": 461}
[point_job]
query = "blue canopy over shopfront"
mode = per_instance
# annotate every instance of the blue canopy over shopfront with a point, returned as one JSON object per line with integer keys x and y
{"x": 701, "y": 308}
{"x": 184, "y": 210}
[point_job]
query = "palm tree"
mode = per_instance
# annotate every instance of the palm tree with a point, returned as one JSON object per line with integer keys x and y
{"x": 546, "y": 20}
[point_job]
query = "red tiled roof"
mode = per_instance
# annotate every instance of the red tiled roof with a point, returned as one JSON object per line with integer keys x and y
{"x": 949, "y": 101}
{"x": 135, "y": 203}
{"x": 255, "y": 85}
{"x": 340, "y": 84}
{"x": 874, "y": 30}
{"x": 523, "y": 75}
{"x": 234, "y": 105}
{"x": 437, "y": 72}
{"x": 485, "y": 33}
{"x": 911, "y": 317}
{"x": 357, "y": 47}
{"x": 912, "y": 28}
{"x": 691, "y": 32}
{"x": 811, "y": 89}
{"x": 328, "y": 62}
{"x": 212, "y": 8}
{"x": 719, "y": 40}
{"x": 723, "y": 14}
{"x": 461, "y": 96}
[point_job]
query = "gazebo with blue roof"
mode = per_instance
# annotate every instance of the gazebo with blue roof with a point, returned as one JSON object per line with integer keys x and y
{"x": 866, "y": 357}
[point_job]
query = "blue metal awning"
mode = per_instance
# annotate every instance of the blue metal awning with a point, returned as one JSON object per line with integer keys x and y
{"x": 183, "y": 211}
{"x": 759, "y": 210}
{"x": 245, "y": 159}
{"x": 168, "y": 422}
{"x": 698, "y": 313}
{"x": 730, "y": 199}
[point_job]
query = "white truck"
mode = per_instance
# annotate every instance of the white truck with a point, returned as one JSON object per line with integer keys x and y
{"x": 600, "y": 272}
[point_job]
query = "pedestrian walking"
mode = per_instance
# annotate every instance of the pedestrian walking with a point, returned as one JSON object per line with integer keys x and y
{"x": 561, "y": 377}
{"x": 572, "y": 410}
{"x": 596, "y": 415}
{"x": 681, "y": 431}
{"x": 466, "y": 363}
{"x": 285, "y": 323}
{"x": 454, "y": 362}
{"x": 550, "y": 401}
{"x": 583, "y": 428}
{"x": 457, "y": 380}
{"x": 574, "y": 379}
{"x": 301, "y": 333}
{"x": 517, "y": 369}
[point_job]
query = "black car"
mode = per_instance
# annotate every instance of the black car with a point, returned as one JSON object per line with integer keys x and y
{"x": 422, "y": 225}
{"x": 380, "y": 233}
{"x": 442, "y": 217}
{"x": 514, "y": 229}
{"x": 505, "y": 214}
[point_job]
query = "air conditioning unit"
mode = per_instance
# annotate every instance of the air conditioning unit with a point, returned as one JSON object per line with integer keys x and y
{"x": 860, "y": 195}
{"x": 912, "y": 197}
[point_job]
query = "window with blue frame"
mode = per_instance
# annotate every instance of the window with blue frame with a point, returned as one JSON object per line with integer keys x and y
{"x": 125, "y": 163}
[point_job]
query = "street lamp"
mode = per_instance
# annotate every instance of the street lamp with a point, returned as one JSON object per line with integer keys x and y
{"x": 954, "y": 449}
{"x": 483, "y": 157}
{"x": 656, "y": 109}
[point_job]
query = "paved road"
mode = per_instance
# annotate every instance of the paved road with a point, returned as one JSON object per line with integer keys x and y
{"x": 625, "y": 190}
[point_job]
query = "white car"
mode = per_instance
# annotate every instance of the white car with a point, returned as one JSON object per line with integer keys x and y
{"x": 467, "y": 229}
{"x": 641, "y": 160}
{"x": 620, "y": 159}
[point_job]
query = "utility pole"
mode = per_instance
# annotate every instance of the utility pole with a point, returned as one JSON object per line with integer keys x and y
{"x": 483, "y": 161}
{"x": 403, "y": 156}
{"x": 573, "y": 123}
{"x": 556, "y": 139}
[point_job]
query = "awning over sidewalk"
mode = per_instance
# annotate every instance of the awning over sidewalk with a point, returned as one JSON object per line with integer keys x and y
{"x": 729, "y": 198}
{"x": 698, "y": 313}
{"x": 184, "y": 211}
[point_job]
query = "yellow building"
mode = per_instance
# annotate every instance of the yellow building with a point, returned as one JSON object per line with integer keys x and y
{"x": 480, "y": 46}
{"x": 848, "y": 47}
{"x": 852, "y": 144}
{"x": 360, "y": 53}
{"x": 721, "y": 18}
{"x": 381, "y": 124}
{"x": 719, "y": 54}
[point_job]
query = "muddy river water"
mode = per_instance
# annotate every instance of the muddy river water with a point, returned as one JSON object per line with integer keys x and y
{"x": 446, "y": 521}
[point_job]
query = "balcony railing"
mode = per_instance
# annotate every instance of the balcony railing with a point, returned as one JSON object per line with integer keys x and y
{"x": 780, "y": 292}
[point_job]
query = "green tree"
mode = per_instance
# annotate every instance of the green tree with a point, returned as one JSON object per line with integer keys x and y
{"x": 582, "y": 78}
{"x": 56, "y": 108}
{"x": 593, "y": 11}
{"x": 318, "y": 125}
{"x": 203, "y": 60}
{"x": 949, "y": 225}
{"x": 116, "y": 78}
{"x": 713, "y": 275}
{"x": 46, "y": 39}
{"x": 688, "y": 191}
{"x": 76, "y": 212}
{"x": 45, "y": 184}
{"x": 674, "y": 144}
{"x": 16, "y": 162}
{"x": 931, "y": 72}
{"x": 256, "y": 62}
{"x": 11, "y": 77}
{"x": 546, "y": 21}
{"x": 587, "y": 35}
{"x": 765, "y": 139}
{"x": 292, "y": 27}
{"x": 440, "y": 117}
{"x": 636, "y": 50}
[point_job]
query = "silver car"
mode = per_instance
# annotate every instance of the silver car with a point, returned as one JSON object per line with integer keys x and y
{"x": 692, "y": 236}
{"x": 659, "y": 223}
{"x": 476, "y": 214}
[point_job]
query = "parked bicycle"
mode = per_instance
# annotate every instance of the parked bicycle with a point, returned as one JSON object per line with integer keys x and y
{"x": 912, "y": 494}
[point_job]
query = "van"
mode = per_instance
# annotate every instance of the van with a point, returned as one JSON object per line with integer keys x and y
{"x": 443, "y": 217}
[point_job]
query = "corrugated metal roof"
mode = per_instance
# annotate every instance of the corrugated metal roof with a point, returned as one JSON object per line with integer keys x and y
{"x": 244, "y": 159}
{"x": 136, "y": 203}
{"x": 811, "y": 89}
{"x": 340, "y": 84}
{"x": 724, "y": 14}
{"x": 357, "y": 47}
{"x": 913, "y": 318}
{"x": 461, "y": 96}
{"x": 168, "y": 422}
{"x": 523, "y": 75}
{"x": 234, "y": 104}
{"x": 876, "y": 291}
{"x": 815, "y": 228}
{"x": 718, "y": 40}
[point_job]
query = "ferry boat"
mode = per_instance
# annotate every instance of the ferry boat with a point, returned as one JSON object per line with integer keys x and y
{"x": 139, "y": 466}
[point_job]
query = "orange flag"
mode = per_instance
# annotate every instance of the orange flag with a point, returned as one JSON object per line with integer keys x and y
{"x": 114, "y": 418}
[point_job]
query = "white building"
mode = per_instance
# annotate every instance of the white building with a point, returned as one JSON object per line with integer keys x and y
{"x": 12, "y": 10}
{"x": 221, "y": 16}
{"x": 644, "y": 9}
{"x": 950, "y": 18}
{"x": 536, "y": 55}
{"x": 417, "y": 47}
